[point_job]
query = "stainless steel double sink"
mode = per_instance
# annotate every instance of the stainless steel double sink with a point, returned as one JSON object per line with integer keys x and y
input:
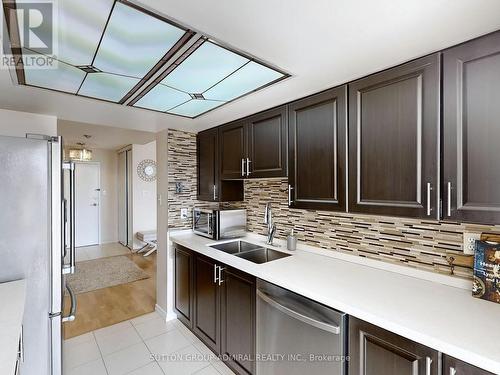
{"x": 249, "y": 251}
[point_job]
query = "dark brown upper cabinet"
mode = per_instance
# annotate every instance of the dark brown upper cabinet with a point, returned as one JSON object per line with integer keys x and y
{"x": 317, "y": 151}
{"x": 210, "y": 186}
{"x": 375, "y": 351}
{"x": 208, "y": 165}
{"x": 266, "y": 141}
{"x": 471, "y": 113}
{"x": 394, "y": 141}
{"x": 232, "y": 150}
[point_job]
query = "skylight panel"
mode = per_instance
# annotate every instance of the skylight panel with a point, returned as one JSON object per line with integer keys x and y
{"x": 115, "y": 51}
{"x": 206, "y": 66}
{"x": 134, "y": 42}
{"x": 80, "y": 26}
{"x": 107, "y": 86}
{"x": 162, "y": 98}
{"x": 251, "y": 77}
{"x": 195, "y": 107}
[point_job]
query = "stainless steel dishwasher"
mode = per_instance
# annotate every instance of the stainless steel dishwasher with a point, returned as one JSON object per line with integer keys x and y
{"x": 296, "y": 335}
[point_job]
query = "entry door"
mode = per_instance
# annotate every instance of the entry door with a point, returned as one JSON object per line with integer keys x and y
{"x": 87, "y": 194}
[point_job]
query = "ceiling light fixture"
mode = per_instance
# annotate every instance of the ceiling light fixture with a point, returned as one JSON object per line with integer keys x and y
{"x": 125, "y": 54}
{"x": 80, "y": 153}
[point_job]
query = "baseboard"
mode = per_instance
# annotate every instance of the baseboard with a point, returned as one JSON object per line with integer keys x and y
{"x": 164, "y": 314}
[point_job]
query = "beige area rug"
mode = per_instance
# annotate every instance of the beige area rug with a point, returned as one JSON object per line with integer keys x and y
{"x": 104, "y": 272}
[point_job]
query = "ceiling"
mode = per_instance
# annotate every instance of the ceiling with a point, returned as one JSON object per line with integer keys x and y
{"x": 103, "y": 137}
{"x": 321, "y": 43}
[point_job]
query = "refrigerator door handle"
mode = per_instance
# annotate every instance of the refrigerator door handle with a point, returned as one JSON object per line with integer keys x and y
{"x": 70, "y": 268}
{"x": 72, "y": 311}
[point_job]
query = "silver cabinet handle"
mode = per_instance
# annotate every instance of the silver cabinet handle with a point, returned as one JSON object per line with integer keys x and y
{"x": 72, "y": 312}
{"x": 221, "y": 280}
{"x": 242, "y": 167}
{"x": 290, "y": 188}
{"x": 248, "y": 167}
{"x": 296, "y": 315}
{"x": 429, "y": 209}
{"x": 449, "y": 200}
{"x": 428, "y": 362}
{"x": 453, "y": 371}
{"x": 215, "y": 273}
{"x": 215, "y": 193}
{"x": 70, "y": 268}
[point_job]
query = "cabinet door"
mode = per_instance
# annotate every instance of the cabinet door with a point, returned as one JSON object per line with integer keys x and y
{"x": 183, "y": 299}
{"x": 238, "y": 320}
{"x": 232, "y": 150}
{"x": 267, "y": 144}
{"x": 453, "y": 366}
{"x": 317, "y": 137}
{"x": 375, "y": 351}
{"x": 206, "y": 302}
{"x": 394, "y": 141}
{"x": 471, "y": 79}
{"x": 208, "y": 165}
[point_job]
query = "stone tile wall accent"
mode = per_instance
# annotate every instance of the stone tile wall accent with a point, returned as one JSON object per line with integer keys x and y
{"x": 416, "y": 243}
{"x": 181, "y": 168}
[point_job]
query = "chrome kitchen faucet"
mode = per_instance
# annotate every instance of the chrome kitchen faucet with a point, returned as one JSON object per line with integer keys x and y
{"x": 271, "y": 227}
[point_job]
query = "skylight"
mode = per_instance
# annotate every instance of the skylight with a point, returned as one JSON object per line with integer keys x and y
{"x": 118, "y": 52}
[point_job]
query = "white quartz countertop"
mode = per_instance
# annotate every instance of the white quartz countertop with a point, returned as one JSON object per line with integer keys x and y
{"x": 443, "y": 317}
{"x": 12, "y": 299}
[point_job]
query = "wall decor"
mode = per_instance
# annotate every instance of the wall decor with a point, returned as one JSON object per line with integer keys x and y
{"x": 146, "y": 170}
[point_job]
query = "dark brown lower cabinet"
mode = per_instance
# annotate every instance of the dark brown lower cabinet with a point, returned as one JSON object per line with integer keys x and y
{"x": 238, "y": 320}
{"x": 206, "y": 302}
{"x": 183, "y": 291}
{"x": 217, "y": 303}
{"x": 453, "y": 366}
{"x": 375, "y": 351}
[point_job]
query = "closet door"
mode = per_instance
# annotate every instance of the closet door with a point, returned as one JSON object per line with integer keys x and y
{"x": 471, "y": 113}
{"x": 122, "y": 198}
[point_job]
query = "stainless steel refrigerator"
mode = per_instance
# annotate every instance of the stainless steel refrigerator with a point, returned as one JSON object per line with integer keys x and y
{"x": 36, "y": 236}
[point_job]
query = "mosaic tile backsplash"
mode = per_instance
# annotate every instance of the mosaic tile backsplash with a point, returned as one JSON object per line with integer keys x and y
{"x": 416, "y": 243}
{"x": 421, "y": 244}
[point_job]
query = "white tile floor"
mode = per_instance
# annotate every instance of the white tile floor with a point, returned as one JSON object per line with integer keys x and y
{"x": 142, "y": 346}
{"x": 100, "y": 251}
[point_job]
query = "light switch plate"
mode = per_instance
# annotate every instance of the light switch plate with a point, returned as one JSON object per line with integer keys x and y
{"x": 469, "y": 242}
{"x": 184, "y": 213}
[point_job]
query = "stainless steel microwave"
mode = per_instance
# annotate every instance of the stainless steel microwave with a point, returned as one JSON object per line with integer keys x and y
{"x": 219, "y": 224}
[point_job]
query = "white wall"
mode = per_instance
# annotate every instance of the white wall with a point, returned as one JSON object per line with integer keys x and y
{"x": 143, "y": 193}
{"x": 162, "y": 219}
{"x": 17, "y": 124}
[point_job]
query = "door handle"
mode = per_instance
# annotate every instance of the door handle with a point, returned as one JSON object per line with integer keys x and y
{"x": 242, "y": 167}
{"x": 221, "y": 280}
{"x": 429, "y": 209}
{"x": 94, "y": 204}
{"x": 215, "y": 193}
{"x": 70, "y": 268}
{"x": 290, "y": 188}
{"x": 428, "y": 362}
{"x": 248, "y": 167}
{"x": 215, "y": 273}
{"x": 296, "y": 315}
{"x": 72, "y": 311}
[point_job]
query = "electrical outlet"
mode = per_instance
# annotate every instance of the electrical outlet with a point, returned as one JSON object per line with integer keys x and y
{"x": 184, "y": 213}
{"x": 469, "y": 242}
